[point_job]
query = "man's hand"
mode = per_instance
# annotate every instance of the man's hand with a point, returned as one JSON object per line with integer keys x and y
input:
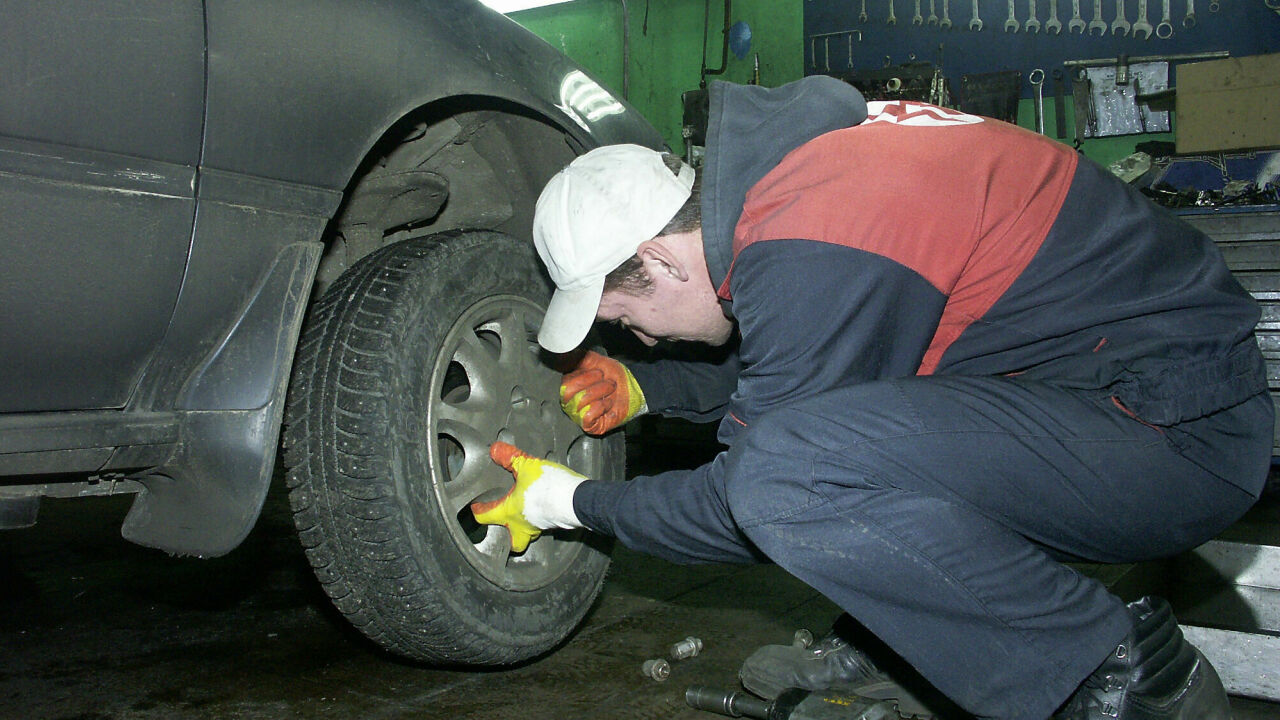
{"x": 600, "y": 394}
{"x": 541, "y": 499}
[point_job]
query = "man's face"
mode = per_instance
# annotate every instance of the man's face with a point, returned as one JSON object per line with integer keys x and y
{"x": 682, "y": 304}
{"x": 663, "y": 316}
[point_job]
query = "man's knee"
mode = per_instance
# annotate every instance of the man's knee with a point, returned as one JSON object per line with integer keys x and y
{"x": 770, "y": 468}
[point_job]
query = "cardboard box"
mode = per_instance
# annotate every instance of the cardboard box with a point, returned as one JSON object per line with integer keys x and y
{"x": 1229, "y": 104}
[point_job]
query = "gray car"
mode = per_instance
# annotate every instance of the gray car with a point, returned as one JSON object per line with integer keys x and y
{"x": 228, "y": 224}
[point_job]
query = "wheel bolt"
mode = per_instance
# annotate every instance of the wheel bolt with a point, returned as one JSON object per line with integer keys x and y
{"x": 658, "y": 669}
{"x": 686, "y": 648}
{"x": 803, "y": 638}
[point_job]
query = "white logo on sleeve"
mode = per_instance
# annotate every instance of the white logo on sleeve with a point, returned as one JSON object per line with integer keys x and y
{"x": 906, "y": 112}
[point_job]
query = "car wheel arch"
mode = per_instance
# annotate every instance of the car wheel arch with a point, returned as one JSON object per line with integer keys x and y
{"x": 463, "y": 162}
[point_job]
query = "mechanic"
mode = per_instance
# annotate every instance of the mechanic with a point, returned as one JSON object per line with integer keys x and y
{"x": 960, "y": 356}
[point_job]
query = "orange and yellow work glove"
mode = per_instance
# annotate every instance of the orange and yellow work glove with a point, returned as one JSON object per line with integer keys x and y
{"x": 541, "y": 499}
{"x": 600, "y": 394}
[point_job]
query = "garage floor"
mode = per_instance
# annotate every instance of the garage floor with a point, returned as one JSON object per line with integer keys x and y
{"x": 93, "y": 628}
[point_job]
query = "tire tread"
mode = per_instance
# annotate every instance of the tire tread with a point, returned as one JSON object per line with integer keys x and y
{"x": 337, "y": 455}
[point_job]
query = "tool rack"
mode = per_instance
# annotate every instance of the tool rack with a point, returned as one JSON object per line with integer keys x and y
{"x": 842, "y": 36}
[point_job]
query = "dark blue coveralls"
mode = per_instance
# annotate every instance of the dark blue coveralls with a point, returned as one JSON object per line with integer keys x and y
{"x": 966, "y": 355}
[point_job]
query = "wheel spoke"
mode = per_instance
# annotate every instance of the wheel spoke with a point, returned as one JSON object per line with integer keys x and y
{"x": 478, "y": 359}
{"x": 465, "y": 434}
{"x": 479, "y": 410}
{"x": 512, "y": 328}
{"x": 563, "y": 434}
{"x": 472, "y": 484}
{"x": 478, "y": 474}
{"x": 495, "y": 548}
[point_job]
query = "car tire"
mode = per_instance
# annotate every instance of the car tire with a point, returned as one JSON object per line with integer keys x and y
{"x": 410, "y": 365}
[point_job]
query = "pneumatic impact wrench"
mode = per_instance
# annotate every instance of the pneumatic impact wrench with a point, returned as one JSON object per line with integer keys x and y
{"x": 791, "y": 704}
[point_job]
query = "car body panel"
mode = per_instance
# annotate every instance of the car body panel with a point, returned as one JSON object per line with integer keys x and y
{"x": 97, "y": 169}
{"x": 357, "y": 67}
{"x": 157, "y": 265}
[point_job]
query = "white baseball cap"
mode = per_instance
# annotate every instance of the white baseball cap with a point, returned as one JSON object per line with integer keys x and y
{"x": 590, "y": 218}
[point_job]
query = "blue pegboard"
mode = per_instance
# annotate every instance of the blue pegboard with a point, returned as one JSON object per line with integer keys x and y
{"x": 1240, "y": 27}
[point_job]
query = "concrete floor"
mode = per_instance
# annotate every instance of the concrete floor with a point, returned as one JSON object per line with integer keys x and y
{"x": 94, "y": 628}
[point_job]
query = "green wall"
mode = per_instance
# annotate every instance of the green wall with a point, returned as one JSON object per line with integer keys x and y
{"x": 666, "y": 56}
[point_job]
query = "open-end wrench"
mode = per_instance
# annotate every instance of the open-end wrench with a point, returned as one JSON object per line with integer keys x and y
{"x": 892, "y": 19}
{"x": 1141, "y": 25}
{"x": 1164, "y": 30}
{"x": 945, "y": 23}
{"x": 1037, "y": 81}
{"x": 862, "y": 16}
{"x": 1032, "y": 24}
{"x": 1059, "y": 105}
{"x": 1121, "y": 23}
{"x": 1053, "y": 26}
{"x": 1097, "y": 23}
{"x": 933, "y": 16}
{"x": 917, "y": 19}
{"x": 1189, "y": 21}
{"x": 1076, "y": 24}
{"x": 975, "y": 23}
{"x": 1011, "y": 25}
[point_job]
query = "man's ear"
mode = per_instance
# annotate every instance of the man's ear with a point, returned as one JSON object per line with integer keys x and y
{"x": 659, "y": 259}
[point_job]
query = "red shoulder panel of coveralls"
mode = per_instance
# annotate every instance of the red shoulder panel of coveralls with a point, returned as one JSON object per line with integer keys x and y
{"x": 963, "y": 201}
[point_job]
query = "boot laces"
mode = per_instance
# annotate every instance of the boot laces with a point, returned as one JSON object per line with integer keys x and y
{"x": 1097, "y": 694}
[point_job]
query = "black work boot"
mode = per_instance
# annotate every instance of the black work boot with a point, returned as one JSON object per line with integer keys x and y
{"x": 1154, "y": 674}
{"x": 832, "y": 663}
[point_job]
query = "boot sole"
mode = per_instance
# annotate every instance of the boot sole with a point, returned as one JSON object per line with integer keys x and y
{"x": 908, "y": 705}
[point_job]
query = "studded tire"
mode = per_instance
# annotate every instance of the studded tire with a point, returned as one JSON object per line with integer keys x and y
{"x": 410, "y": 365}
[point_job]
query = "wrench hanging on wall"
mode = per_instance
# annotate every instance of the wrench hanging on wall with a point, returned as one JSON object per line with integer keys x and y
{"x": 1011, "y": 25}
{"x": 1032, "y": 24}
{"x": 1059, "y": 106}
{"x": 1053, "y": 26}
{"x": 1164, "y": 30}
{"x": 1142, "y": 25}
{"x": 1037, "y": 81}
{"x": 1121, "y": 23}
{"x": 975, "y": 23}
{"x": 1076, "y": 25}
{"x": 1097, "y": 23}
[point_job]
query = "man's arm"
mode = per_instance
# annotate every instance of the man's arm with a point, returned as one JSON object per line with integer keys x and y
{"x": 681, "y": 516}
{"x": 695, "y": 388}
